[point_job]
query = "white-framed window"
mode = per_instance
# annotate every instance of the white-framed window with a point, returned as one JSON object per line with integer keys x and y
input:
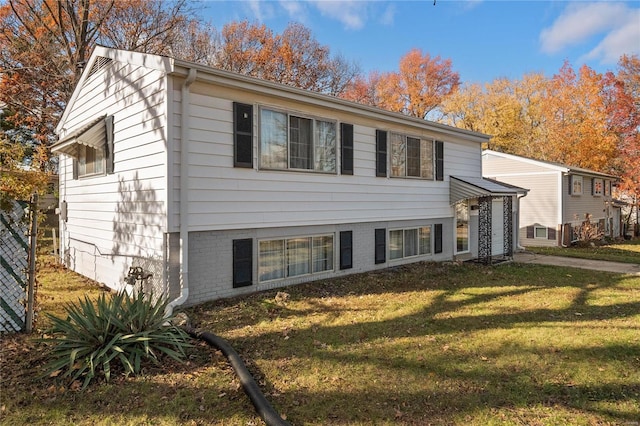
{"x": 576, "y": 185}
{"x": 91, "y": 161}
{"x": 607, "y": 188}
{"x": 541, "y": 232}
{"x": 598, "y": 187}
{"x": 411, "y": 157}
{"x": 291, "y": 257}
{"x": 409, "y": 242}
{"x": 462, "y": 227}
{"x": 294, "y": 142}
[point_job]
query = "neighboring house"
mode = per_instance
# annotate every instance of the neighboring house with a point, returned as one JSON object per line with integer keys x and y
{"x": 219, "y": 184}
{"x": 560, "y": 198}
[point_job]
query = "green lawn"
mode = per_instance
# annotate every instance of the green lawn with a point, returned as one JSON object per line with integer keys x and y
{"x": 627, "y": 252}
{"x": 425, "y": 344}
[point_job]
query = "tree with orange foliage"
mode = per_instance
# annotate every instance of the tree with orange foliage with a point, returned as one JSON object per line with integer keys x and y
{"x": 417, "y": 89}
{"x": 508, "y": 110}
{"x": 44, "y": 45}
{"x": 576, "y": 117}
{"x": 623, "y": 103}
{"x": 293, "y": 57}
{"x": 362, "y": 89}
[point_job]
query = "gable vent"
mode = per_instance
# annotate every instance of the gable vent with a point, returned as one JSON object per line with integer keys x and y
{"x": 100, "y": 63}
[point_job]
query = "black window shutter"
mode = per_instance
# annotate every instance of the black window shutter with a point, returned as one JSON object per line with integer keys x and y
{"x": 439, "y": 160}
{"x": 381, "y": 153}
{"x": 530, "y": 232}
{"x": 346, "y": 136}
{"x": 242, "y": 262}
{"x": 346, "y": 249}
{"x": 551, "y": 233}
{"x": 242, "y": 135}
{"x": 108, "y": 123}
{"x": 437, "y": 236}
{"x": 381, "y": 245}
{"x": 74, "y": 169}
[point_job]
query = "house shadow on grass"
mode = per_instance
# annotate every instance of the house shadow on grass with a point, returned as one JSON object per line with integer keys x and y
{"x": 450, "y": 341}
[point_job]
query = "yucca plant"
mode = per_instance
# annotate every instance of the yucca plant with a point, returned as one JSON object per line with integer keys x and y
{"x": 117, "y": 328}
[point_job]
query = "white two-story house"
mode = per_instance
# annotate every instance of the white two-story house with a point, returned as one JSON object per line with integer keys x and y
{"x": 219, "y": 184}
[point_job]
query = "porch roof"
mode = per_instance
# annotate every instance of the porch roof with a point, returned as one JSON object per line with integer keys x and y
{"x": 467, "y": 187}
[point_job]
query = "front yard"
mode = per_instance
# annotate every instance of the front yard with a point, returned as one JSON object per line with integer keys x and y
{"x": 424, "y": 344}
{"x": 627, "y": 252}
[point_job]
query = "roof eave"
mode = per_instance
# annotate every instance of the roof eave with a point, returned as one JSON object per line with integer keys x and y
{"x": 234, "y": 80}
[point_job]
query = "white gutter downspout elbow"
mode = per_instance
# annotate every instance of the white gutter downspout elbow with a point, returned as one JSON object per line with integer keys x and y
{"x": 185, "y": 134}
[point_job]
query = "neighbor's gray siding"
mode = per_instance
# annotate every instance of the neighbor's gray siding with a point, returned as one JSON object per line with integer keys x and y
{"x": 577, "y": 206}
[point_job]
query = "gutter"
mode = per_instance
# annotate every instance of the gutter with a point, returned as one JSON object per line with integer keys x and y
{"x": 185, "y": 134}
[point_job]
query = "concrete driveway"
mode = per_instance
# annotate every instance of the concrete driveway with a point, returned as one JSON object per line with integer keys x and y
{"x": 597, "y": 265}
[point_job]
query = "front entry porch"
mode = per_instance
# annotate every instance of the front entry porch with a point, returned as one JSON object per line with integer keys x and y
{"x": 491, "y": 219}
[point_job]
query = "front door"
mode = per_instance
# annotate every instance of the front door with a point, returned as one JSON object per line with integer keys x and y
{"x": 497, "y": 227}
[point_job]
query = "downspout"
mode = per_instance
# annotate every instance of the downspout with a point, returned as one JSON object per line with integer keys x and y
{"x": 561, "y": 192}
{"x": 185, "y": 134}
{"x": 518, "y": 246}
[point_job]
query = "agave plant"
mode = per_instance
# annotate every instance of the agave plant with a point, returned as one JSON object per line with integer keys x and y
{"x": 117, "y": 328}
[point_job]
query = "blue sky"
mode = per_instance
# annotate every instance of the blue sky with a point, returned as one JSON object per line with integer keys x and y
{"x": 484, "y": 39}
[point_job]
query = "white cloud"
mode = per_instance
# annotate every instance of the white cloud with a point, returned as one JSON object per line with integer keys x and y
{"x": 388, "y": 16}
{"x": 578, "y": 22}
{"x": 261, "y": 10}
{"x": 351, "y": 13}
{"x": 625, "y": 39}
{"x": 294, "y": 9}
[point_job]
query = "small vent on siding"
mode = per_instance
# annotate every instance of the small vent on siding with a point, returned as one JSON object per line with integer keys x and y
{"x": 100, "y": 63}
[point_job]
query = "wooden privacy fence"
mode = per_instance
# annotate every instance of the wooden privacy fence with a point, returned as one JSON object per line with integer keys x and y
{"x": 17, "y": 266}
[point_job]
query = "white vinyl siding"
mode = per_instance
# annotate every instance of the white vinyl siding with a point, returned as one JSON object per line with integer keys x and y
{"x": 114, "y": 219}
{"x": 224, "y": 197}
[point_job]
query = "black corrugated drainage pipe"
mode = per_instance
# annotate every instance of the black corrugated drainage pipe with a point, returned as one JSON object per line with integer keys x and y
{"x": 251, "y": 388}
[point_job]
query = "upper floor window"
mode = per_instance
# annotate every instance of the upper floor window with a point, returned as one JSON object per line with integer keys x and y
{"x": 91, "y": 147}
{"x": 91, "y": 161}
{"x": 598, "y": 187}
{"x": 299, "y": 143}
{"x": 411, "y": 157}
{"x": 576, "y": 185}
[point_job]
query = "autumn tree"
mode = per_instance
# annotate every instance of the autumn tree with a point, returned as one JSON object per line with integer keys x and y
{"x": 293, "y": 57}
{"x": 576, "y": 121}
{"x": 622, "y": 98}
{"x": 44, "y": 45}
{"x": 362, "y": 89}
{"x": 507, "y": 110}
{"x": 416, "y": 89}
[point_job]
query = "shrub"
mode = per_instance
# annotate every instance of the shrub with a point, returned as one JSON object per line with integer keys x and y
{"x": 588, "y": 232}
{"x": 119, "y": 328}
